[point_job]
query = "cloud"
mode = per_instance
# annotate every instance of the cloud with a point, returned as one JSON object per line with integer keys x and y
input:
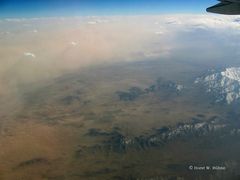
{"x": 92, "y": 22}
{"x": 158, "y": 32}
{"x": 29, "y": 54}
{"x": 73, "y": 43}
{"x": 102, "y": 21}
{"x": 5, "y": 33}
{"x": 15, "y": 19}
{"x": 98, "y": 21}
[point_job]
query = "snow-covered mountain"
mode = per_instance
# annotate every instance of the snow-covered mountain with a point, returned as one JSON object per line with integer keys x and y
{"x": 224, "y": 85}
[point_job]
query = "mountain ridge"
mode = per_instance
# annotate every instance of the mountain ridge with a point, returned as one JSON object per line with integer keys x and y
{"x": 225, "y": 85}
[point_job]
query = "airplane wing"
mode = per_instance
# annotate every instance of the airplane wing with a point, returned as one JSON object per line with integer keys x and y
{"x": 226, "y": 7}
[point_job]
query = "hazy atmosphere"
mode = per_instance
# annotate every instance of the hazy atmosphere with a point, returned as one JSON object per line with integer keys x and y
{"x": 39, "y": 48}
{"x": 42, "y": 48}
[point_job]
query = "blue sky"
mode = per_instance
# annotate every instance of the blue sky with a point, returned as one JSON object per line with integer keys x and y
{"x": 36, "y": 8}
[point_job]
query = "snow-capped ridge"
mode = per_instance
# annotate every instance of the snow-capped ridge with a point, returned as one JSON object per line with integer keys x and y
{"x": 232, "y": 73}
{"x": 224, "y": 85}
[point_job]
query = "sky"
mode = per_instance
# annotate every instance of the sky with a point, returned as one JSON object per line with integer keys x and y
{"x": 36, "y": 8}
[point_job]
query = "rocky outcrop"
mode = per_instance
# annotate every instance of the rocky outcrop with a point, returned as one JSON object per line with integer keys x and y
{"x": 70, "y": 99}
{"x": 30, "y": 162}
{"x": 130, "y": 95}
{"x": 133, "y": 93}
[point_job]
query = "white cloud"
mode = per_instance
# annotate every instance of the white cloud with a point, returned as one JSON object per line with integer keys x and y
{"x": 158, "y": 32}
{"x": 102, "y": 21}
{"x": 5, "y": 33}
{"x": 98, "y": 21}
{"x": 92, "y": 22}
{"x": 73, "y": 43}
{"x": 15, "y": 19}
{"x": 29, "y": 54}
